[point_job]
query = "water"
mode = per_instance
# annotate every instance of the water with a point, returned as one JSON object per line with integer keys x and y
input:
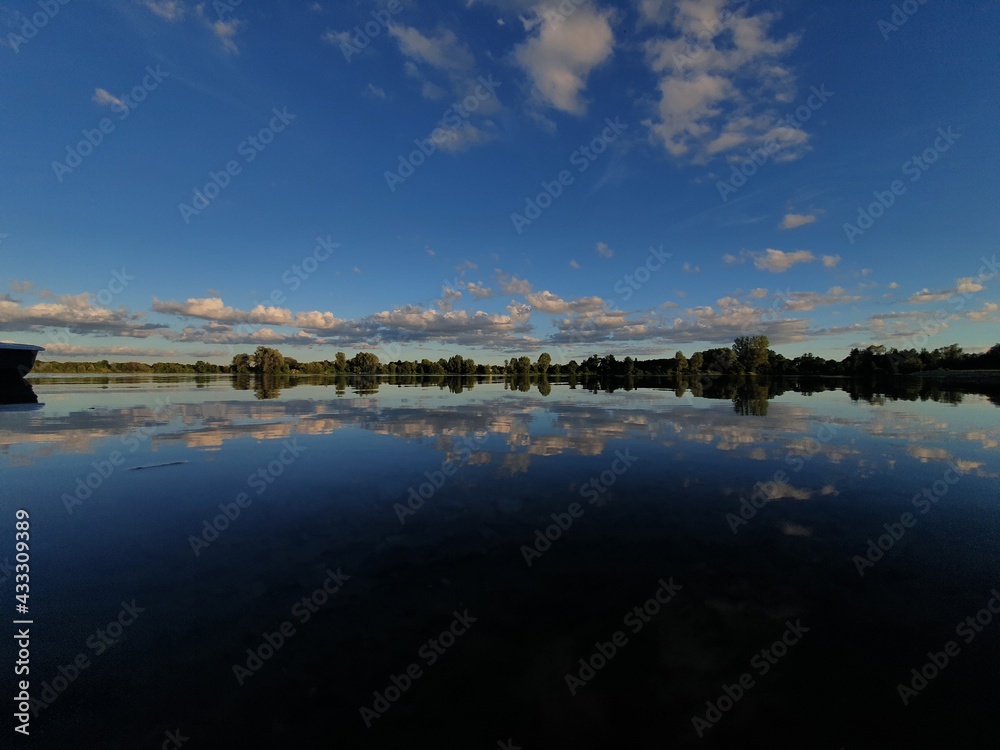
{"x": 321, "y": 483}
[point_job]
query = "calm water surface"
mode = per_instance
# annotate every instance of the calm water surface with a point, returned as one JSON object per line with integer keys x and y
{"x": 649, "y": 485}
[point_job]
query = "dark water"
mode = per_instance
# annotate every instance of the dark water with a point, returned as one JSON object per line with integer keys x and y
{"x": 648, "y": 484}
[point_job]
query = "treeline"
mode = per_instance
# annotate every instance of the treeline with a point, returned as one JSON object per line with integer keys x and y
{"x": 109, "y": 368}
{"x": 749, "y": 355}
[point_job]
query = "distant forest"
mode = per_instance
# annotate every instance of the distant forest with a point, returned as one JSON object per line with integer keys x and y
{"x": 749, "y": 355}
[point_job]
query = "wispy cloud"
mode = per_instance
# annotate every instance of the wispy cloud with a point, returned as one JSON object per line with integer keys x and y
{"x": 721, "y": 79}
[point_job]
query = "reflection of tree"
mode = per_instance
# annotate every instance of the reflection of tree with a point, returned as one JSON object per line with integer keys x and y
{"x": 367, "y": 385}
{"x": 751, "y": 398}
{"x": 544, "y": 386}
{"x": 268, "y": 386}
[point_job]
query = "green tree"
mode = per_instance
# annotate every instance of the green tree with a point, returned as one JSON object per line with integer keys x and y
{"x": 544, "y": 362}
{"x": 697, "y": 362}
{"x": 751, "y": 352}
{"x": 682, "y": 363}
{"x": 241, "y": 364}
{"x": 268, "y": 361}
{"x": 364, "y": 363}
{"x": 340, "y": 362}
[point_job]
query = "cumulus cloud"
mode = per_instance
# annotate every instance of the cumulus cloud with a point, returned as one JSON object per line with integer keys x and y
{"x": 965, "y": 286}
{"x": 989, "y": 312}
{"x": 777, "y": 261}
{"x": 78, "y": 314}
{"x": 512, "y": 284}
{"x": 548, "y": 302}
{"x": 477, "y": 289}
{"x": 831, "y": 261}
{"x": 561, "y": 51}
{"x": 213, "y": 308}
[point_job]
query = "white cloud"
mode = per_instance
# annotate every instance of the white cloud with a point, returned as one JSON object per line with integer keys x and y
{"x": 548, "y": 302}
{"x": 169, "y": 10}
{"x": 988, "y": 312}
{"x": 213, "y": 308}
{"x": 443, "y": 51}
{"x": 512, "y": 284}
{"x": 477, "y": 290}
{"x": 604, "y": 251}
{"x": 968, "y": 286}
{"x": 831, "y": 261}
{"x": 339, "y": 38}
{"x": 574, "y": 264}
{"x": 104, "y": 97}
{"x": 964, "y": 286}
{"x": 777, "y": 261}
{"x": 225, "y": 32}
{"x": 721, "y": 76}
{"x": 76, "y": 312}
{"x": 375, "y": 91}
{"x": 561, "y": 52}
{"x": 793, "y": 221}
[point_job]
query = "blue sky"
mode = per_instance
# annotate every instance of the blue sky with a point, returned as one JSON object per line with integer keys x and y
{"x": 631, "y": 178}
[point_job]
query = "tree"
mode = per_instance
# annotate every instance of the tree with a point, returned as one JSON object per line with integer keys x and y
{"x": 365, "y": 363}
{"x": 240, "y": 364}
{"x": 268, "y": 361}
{"x": 544, "y": 362}
{"x": 340, "y": 362}
{"x": 751, "y": 352}
{"x": 682, "y": 363}
{"x": 696, "y": 362}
